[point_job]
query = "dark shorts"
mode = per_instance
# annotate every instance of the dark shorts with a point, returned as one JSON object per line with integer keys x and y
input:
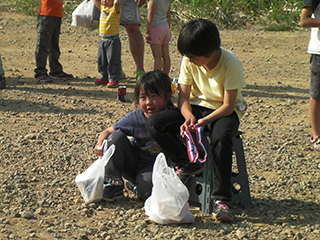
{"x": 314, "y": 91}
{"x": 130, "y": 13}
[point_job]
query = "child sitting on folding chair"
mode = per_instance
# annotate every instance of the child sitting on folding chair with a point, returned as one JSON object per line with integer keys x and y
{"x": 211, "y": 79}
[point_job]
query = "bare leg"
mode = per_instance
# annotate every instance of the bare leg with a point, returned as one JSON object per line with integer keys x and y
{"x": 314, "y": 114}
{"x": 136, "y": 44}
{"x": 166, "y": 58}
{"x": 157, "y": 56}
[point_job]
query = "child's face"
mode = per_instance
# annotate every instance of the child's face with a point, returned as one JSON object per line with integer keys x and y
{"x": 107, "y": 3}
{"x": 199, "y": 61}
{"x": 151, "y": 103}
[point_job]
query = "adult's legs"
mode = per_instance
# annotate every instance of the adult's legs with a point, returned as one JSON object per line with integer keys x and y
{"x": 54, "y": 50}
{"x": 136, "y": 45}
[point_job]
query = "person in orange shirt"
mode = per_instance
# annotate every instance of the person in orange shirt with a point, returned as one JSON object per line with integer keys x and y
{"x": 48, "y": 26}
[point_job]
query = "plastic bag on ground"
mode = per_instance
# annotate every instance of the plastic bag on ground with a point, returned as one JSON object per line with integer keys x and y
{"x": 168, "y": 203}
{"x": 90, "y": 182}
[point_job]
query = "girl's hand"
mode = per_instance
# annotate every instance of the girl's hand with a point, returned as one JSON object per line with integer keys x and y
{"x": 98, "y": 150}
{"x": 148, "y": 36}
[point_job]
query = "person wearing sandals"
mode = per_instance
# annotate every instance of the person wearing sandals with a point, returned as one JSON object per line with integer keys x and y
{"x": 310, "y": 17}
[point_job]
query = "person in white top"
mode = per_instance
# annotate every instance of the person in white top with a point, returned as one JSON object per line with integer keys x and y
{"x": 310, "y": 17}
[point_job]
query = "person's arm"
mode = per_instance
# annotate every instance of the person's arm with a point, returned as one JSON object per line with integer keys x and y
{"x": 150, "y": 18}
{"x": 117, "y": 5}
{"x": 103, "y": 135}
{"x": 169, "y": 15}
{"x": 140, "y": 3}
{"x": 185, "y": 108}
{"x": 227, "y": 108}
{"x": 306, "y": 20}
{"x": 97, "y": 3}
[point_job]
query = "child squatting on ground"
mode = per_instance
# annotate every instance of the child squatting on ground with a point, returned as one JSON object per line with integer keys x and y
{"x": 310, "y": 17}
{"x": 158, "y": 33}
{"x": 211, "y": 79}
{"x": 109, "y": 49}
{"x": 133, "y": 159}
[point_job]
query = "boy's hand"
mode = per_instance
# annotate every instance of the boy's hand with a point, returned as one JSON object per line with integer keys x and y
{"x": 188, "y": 124}
{"x": 200, "y": 123}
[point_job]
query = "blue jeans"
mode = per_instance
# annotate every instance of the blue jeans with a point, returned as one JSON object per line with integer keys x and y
{"x": 48, "y": 45}
{"x": 164, "y": 128}
{"x": 126, "y": 163}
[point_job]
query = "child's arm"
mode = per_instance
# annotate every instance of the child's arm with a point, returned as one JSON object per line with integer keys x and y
{"x": 191, "y": 123}
{"x": 227, "y": 108}
{"x": 117, "y": 5}
{"x": 169, "y": 15}
{"x": 97, "y": 3}
{"x": 103, "y": 135}
{"x": 306, "y": 20}
{"x": 150, "y": 18}
{"x": 185, "y": 108}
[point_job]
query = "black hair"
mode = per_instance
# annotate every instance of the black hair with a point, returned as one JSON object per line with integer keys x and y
{"x": 156, "y": 82}
{"x": 199, "y": 37}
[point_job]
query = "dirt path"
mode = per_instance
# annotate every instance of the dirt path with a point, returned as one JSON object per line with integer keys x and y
{"x": 48, "y": 132}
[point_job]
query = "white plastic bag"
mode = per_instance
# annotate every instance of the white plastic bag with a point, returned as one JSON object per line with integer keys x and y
{"x": 86, "y": 15}
{"x": 90, "y": 182}
{"x": 168, "y": 202}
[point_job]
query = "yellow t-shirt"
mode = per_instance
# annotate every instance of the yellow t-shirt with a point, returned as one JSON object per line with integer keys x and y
{"x": 207, "y": 87}
{"x": 109, "y": 21}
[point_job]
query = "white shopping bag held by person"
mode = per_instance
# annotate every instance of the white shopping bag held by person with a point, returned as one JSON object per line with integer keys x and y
{"x": 90, "y": 182}
{"x": 168, "y": 202}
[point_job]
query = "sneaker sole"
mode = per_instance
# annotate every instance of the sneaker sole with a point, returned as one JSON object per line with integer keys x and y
{"x": 63, "y": 78}
{"x": 44, "y": 80}
{"x": 223, "y": 218}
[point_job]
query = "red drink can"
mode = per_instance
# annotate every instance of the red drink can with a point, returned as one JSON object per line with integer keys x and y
{"x": 122, "y": 91}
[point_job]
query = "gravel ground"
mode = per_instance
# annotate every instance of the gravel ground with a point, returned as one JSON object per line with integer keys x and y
{"x": 48, "y": 132}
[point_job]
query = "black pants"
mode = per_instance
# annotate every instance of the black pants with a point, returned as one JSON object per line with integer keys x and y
{"x": 126, "y": 163}
{"x": 48, "y": 45}
{"x": 164, "y": 128}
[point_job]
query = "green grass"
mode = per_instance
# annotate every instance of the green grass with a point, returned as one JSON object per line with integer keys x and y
{"x": 274, "y": 15}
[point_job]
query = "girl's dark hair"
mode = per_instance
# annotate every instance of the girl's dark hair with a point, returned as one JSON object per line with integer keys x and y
{"x": 157, "y": 82}
{"x": 198, "y": 37}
